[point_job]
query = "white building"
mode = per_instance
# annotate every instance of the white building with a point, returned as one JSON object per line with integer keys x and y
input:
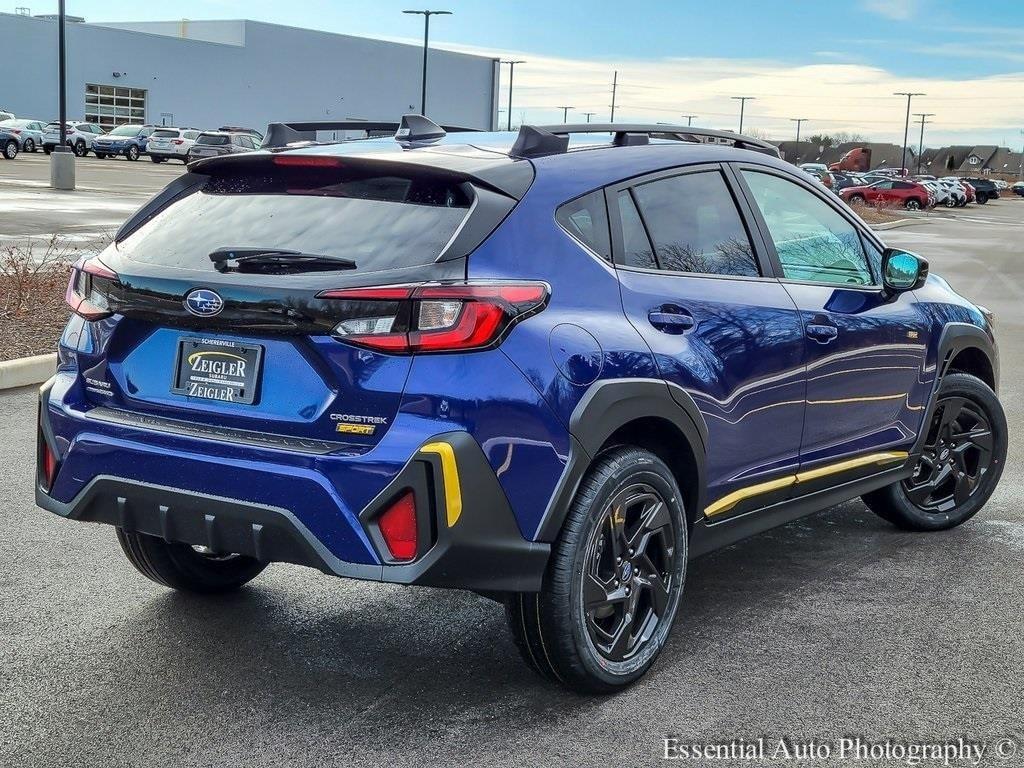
{"x": 205, "y": 74}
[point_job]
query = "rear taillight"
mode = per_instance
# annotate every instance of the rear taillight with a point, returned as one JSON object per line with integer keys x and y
{"x": 455, "y": 317}
{"x": 82, "y": 294}
{"x": 179, "y": 141}
{"x": 15, "y": 131}
{"x": 398, "y": 527}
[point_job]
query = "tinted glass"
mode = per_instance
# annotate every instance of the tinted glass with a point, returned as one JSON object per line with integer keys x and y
{"x": 695, "y": 225}
{"x": 189, "y": 134}
{"x": 165, "y": 134}
{"x": 379, "y": 222}
{"x": 586, "y": 219}
{"x": 636, "y": 247}
{"x": 813, "y": 241}
{"x": 213, "y": 139}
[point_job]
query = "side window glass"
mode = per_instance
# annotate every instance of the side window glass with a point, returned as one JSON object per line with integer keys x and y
{"x": 874, "y": 258}
{"x": 586, "y": 219}
{"x": 695, "y": 225}
{"x": 636, "y": 248}
{"x": 813, "y": 241}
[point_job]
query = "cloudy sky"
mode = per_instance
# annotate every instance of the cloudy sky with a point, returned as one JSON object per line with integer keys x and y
{"x": 834, "y": 62}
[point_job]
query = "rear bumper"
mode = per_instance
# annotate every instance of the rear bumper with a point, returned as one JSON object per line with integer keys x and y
{"x": 282, "y": 513}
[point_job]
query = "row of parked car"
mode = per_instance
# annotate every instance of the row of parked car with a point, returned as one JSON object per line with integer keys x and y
{"x": 890, "y": 187}
{"x": 160, "y": 143}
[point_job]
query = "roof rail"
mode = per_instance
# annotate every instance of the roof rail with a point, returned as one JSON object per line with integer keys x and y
{"x": 629, "y": 134}
{"x": 412, "y": 128}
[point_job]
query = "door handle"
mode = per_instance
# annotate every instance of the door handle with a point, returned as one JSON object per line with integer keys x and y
{"x": 671, "y": 320}
{"x": 822, "y": 334}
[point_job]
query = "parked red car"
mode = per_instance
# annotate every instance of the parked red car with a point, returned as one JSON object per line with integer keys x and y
{"x": 895, "y": 192}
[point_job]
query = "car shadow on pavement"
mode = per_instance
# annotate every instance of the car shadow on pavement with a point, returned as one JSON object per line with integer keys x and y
{"x": 293, "y": 645}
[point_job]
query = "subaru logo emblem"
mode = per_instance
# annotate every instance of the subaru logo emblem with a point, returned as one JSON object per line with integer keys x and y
{"x": 203, "y": 302}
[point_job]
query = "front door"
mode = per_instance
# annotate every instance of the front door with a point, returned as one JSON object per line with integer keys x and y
{"x": 693, "y": 285}
{"x": 866, "y": 384}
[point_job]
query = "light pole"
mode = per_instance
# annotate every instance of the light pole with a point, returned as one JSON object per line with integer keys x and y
{"x": 743, "y": 103}
{"x": 589, "y": 115}
{"x": 615, "y": 88}
{"x": 920, "y": 146}
{"x": 426, "y": 42}
{"x": 511, "y": 72}
{"x": 799, "y": 121}
{"x": 689, "y": 119}
{"x": 565, "y": 113}
{"x": 906, "y": 127}
{"x": 62, "y": 160}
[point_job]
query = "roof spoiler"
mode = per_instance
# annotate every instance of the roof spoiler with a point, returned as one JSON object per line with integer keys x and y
{"x": 411, "y": 129}
{"x": 539, "y": 140}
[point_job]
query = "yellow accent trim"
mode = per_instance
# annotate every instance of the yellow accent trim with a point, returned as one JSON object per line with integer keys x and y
{"x": 729, "y": 501}
{"x": 450, "y": 475}
{"x": 861, "y": 461}
{"x": 871, "y": 399}
{"x": 726, "y": 503}
{"x": 206, "y": 352}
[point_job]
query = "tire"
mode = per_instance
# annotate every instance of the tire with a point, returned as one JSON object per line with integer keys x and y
{"x": 950, "y": 202}
{"x": 80, "y": 149}
{"x": 181, "y": 567}
{"x": 30, "y": 145}
{"x": 47, "y": 149}
{"x": 132, "y": 153}
{"x": 101, "y": 156}
{"x": 912, "y": 204}
{"x": 11, "y": 149}
{"x": 982, "y": 199}
{"x": 856, "y": 199}
{"x": 963, "y": 401}
{"x": 639, "y": 598}
{"x": 156, "y": 159}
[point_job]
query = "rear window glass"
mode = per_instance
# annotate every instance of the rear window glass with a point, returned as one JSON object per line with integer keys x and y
{"x": 213, "y": 139}
{"x": 586, "y": 219}
{"x": 189, "y": 134}
{"x": 380, "y": 222}
{"x": 164, "y": 134}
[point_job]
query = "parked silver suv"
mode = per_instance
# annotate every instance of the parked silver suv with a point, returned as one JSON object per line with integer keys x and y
{"x": 212, "y": 143}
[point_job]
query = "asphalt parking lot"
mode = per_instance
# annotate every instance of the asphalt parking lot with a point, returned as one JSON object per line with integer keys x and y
{"x": 107, "y": 192}
{"x": 838, "y": 625}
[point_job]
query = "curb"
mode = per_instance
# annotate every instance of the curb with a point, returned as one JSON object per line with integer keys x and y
{"x": 27, "y": 370}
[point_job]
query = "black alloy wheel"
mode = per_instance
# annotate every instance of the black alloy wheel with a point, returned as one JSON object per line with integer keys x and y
{"x": 955, "y": 458}
{"x": 630, "y": 560}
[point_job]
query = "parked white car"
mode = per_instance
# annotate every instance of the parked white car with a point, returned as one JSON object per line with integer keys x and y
{"x": 171, "y": 144}
{"x": 939, "y": 192}
{"x": 27, "y": 134}
{"x": 80, "y": 136}
{"x": 957, "y": 195}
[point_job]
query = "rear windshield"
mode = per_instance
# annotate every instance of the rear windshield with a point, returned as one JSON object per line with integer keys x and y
{"x": 380, "y": 222}
{"x": 165, "y": 134}
{"x": 211, "y": 138}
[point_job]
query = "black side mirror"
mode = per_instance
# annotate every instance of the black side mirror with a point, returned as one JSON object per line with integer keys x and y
{"x": 902, "y": 271}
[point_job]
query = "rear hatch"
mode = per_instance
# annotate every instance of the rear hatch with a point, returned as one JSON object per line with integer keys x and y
{"x": 214, "y": 293}
{"x": 211, "y": 145}
{"x": 163, "y": 140}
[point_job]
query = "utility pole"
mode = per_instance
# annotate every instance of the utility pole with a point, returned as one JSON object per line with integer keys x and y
{"x": 426, "y": 43}
{"x": 565, "y": 114}
{"x": 799, "y": 121}
{"x": 615, "y": 86}
{"x": 1022, "y": 159}
{"x": 511, "y": 72}
{"x": 743, "y": 103}
{"x": 920, "y": 146}
{"x": 689, "y": 119}
{"x": 589, "y": 115}
{"x": 906, "y": 127}
{"x": 62, "y": 160}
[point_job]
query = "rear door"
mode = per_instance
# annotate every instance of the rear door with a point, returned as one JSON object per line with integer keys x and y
{"x": 694, "y": 285}
{"x": 865, "y": 351}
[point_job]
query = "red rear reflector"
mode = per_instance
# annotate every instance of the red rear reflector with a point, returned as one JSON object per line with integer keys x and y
{"x": 307, "y": 161}
{"x": 398, "y": 527}
{"x": 49, "y": 465}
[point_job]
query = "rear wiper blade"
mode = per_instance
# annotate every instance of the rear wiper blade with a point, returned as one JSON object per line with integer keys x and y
{"x": 275, "y": 260}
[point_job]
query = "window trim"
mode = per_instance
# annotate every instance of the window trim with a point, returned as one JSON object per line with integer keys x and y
{"x": 851, "y": 218}
{"x": 757, "y": 244}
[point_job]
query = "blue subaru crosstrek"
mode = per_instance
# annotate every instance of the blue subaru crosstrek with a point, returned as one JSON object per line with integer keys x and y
{"x": 548, "y": 368}
{"x": 127, "y": 140}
